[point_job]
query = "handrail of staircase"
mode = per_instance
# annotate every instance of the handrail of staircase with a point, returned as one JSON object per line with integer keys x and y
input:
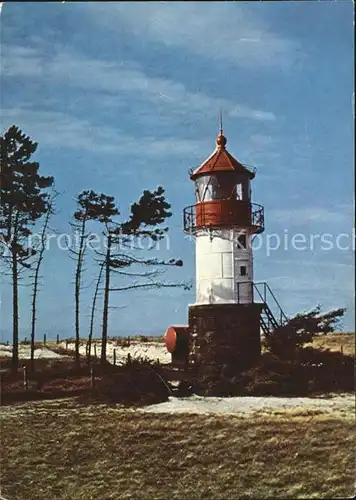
{"x": 266, "y": 286}
{"x": 259, "y": 293}
{"x": 282, "y": 315}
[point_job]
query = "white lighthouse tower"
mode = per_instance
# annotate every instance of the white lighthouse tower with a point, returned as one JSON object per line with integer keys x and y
{"x": 225, "y": 321}
{"x": 223, "y": 221}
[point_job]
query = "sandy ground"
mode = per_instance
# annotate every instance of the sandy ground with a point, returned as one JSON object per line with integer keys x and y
{"x": 151, "y": 350}
{"x": 337, "y": 405}
{"x": 243, "y": 406}
{"x": 249, "y": 405}
{"x": 25, "y": 352}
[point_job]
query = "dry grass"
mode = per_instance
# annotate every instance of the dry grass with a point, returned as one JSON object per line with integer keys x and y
{"x": 344, "y": 342}
{"x": 59, "y": 450}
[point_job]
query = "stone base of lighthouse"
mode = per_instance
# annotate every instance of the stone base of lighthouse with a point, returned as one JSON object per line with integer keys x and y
{"x": 224, "y": 335}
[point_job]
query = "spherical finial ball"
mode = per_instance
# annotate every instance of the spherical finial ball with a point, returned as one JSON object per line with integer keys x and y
{"x": 221, "y": 141}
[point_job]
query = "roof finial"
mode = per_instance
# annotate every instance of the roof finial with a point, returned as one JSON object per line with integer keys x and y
{"x": 221, "y": 139}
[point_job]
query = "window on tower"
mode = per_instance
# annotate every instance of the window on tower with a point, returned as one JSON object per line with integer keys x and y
{"x": 243, "y": 271}
{"x": 243, "y": 190}
{"x": 215, "y": 187}
{"x": 206, "y": 187}
{"x": 239, "y": 191}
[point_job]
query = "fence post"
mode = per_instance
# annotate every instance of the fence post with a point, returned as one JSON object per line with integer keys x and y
{"x": 95, "y": 356}
{"x": 66, "y": 344}
{"x": 342, "y": 349}
{"x": 44, "y": 339}
{"x": 92, "y": 376}
{"x": 114, "y": 353}
{"x": 25, "y": 341}
{"x": 57, "y": 338}
{"x": 25, "y": 382}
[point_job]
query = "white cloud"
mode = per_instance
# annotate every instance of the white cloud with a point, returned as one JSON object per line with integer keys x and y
{"x": 312, "y": 214}
{"x": 222, "y": 31}
{"x": 21, "y": 61}
{"x": 261, "y": 140}
{"x": 58, "y": 130}
{"x": 330, "y": 264}
{"x": 115, "y": 83}
{"x": 312, "y": 283}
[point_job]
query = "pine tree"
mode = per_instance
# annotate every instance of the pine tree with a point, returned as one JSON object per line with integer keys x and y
{"x": 40, "y": 252}
{"x": 91, "y": 206}
{"x": 24, "y": 200}
{"x": 145, "y": 220}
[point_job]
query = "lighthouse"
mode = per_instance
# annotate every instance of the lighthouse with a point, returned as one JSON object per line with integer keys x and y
{"x": 223, "y": 221}
{"x": 225, "y": 321}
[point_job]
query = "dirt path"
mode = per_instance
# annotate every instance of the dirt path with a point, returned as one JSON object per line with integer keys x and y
{"x": 343, "y": 404}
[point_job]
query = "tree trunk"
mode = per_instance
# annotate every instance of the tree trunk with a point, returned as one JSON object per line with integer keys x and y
{"x": 15, "y": 312}
{"x": 104, "y": 336}
{"x": 35, "y": 283}
{"x": 77, "y": 337}
{"x": 90, "y": 337}
{"x": 77, "y": 292}
{"x": 33, "y": 319}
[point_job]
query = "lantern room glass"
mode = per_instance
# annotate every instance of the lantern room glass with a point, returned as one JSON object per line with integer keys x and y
{"x": 222, "y": 186}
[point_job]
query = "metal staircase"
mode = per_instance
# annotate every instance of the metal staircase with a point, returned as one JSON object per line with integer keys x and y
{"x": 268, "y": 321}
{"x": 272, "y": 314}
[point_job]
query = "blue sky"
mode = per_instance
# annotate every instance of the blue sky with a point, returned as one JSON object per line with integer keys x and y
{"x": 126, "y": 96}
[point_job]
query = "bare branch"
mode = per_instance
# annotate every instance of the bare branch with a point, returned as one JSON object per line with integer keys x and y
{"x": 151, "y": 285}
{"x": 148, "y": 274}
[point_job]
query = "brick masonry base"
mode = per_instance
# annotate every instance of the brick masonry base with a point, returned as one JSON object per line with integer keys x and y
{"x": 225, "y": 335}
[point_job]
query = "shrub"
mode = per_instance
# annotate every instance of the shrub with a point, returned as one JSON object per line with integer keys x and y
{"x": 263, "y": 387}
{"x": 310, "y": 371}
{"x": 299, "y": 330}
{"x": 133, "y": 384}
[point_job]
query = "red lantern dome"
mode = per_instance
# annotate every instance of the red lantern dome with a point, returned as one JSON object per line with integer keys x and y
{"x": 223, "y": 194}
{"x": 222, "y": 161}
